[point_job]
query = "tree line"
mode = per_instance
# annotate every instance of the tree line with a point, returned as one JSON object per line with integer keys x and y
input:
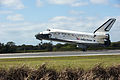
{"x": 11, "y": 47}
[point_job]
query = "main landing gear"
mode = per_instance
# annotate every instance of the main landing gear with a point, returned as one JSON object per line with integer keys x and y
{"x": 41, "y": 41}
{"x": 83, "y": 47}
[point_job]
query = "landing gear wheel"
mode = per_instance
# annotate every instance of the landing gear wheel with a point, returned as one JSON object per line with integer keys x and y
{"x": 51, "y": 42}
{"x": 84, "y": 49}
{"x": 41, "y": 42}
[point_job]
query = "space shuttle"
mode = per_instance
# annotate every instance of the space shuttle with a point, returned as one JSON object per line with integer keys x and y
{"x": 83, "y": 40}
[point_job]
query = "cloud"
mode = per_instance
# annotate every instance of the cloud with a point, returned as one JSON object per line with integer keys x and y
{"x": 74, "y": 3}
{"x": 16, "y": 17}
{"x": 14, "y": 4}
{"x": 79, "y": 4}
{"x": 117, "y": 5}
{"x": 74, "y": 23}
{"x": 61, "y": 1}
{"x": 19, "y": 32}
{"x": 6, "y": 12}
{"x": 99, "y": 1}
{"x": 62, "y": 18}
{"x": 76, "y": 12}
{"x": 39, "y": 3}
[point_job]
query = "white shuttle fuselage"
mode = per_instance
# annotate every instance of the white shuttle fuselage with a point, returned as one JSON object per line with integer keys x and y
{"x": 82, "y": 39}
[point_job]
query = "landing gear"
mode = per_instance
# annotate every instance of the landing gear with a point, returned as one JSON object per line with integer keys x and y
{"x": 41, "y": 41}
{"x": 107, "y": 41}
{"x": 51, "y": 41}
{"x": 83, "y": 47}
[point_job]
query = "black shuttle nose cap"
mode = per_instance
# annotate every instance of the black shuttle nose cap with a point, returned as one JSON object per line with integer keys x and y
{"x": 37, "y": 36}
{"x": 42, "y": 36}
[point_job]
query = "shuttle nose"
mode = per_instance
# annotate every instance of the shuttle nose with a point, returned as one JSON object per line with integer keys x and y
{"x": 39, "y": 36}
{"x": 42, "y": 36}
{"x": 36, "y": 36}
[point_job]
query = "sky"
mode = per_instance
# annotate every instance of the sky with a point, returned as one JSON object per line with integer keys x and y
{"x": 20, "y": 20}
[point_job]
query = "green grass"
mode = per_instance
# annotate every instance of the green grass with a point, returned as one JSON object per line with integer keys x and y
{"x": 59, "y": 63}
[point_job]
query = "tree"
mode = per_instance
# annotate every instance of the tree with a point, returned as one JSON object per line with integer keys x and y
{"x": 39, "y": 47}
{"x": 2, "y": 49}
{"x": 47, "y": 46}
{"x": 10, "y": 47}
{"x": 10, "y": 43}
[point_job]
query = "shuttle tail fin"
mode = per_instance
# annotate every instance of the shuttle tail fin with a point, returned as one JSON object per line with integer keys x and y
{"x": 106, "y": 26}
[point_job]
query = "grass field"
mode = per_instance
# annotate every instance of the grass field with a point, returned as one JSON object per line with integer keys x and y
{"x": 86, "y": 62}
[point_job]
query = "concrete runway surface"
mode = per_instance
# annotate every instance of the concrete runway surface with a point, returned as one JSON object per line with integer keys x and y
{"x": 60, "y": 54}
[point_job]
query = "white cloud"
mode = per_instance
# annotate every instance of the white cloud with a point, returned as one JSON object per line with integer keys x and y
{"x": 39, "y": 3}
{"x": 15, "y": 4}
{"x": 117, "y": 5}
{"x": 91, "y": 18}
{"x": 74, "y": 3}
{"x": 16, "y": 17}
{"x": 61, "y": 1}
{"x": 76, "y": 12}
{"x": 73, "y": 23}
{"x": 6, "y": 12}
{"x": 80, "y": 4}
{"x": 99, "y": 1}
{"x": 20, "y": 33}
{"x": 62, "y": 18}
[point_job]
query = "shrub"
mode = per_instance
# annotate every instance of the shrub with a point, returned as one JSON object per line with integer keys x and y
{"x": 44, "y": 73}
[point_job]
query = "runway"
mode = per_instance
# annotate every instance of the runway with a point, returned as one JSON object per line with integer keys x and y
{"x": 60, "y": 54}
